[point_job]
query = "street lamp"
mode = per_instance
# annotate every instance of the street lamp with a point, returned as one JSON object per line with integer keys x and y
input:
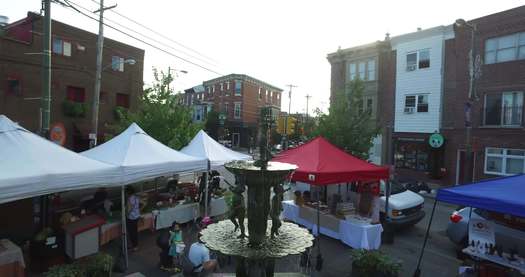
{"x": 96, "y": 96}
{"x": 175, "y": 70}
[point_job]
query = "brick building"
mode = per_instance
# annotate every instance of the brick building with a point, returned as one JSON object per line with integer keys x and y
{"x": 498, "y": 133}
{"x": 368, "y": 63}
{"x": 73, "y": 78}
{"x": 238, "y": 98}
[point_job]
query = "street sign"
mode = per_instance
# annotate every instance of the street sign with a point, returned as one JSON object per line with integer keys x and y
{"x": 436, "y": 140}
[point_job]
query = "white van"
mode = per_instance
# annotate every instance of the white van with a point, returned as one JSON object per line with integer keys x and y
{"x": 405, "y": 207}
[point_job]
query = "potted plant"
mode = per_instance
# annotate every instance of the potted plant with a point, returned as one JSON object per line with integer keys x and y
{"x": 65, "y": 270}
{"x": 99, "y": 265}
{"x": 74, "y": 109}
{"x": 373, "y": 263}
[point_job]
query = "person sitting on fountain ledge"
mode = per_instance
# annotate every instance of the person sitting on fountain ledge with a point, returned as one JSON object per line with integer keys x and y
{"x": 199, "y": 256}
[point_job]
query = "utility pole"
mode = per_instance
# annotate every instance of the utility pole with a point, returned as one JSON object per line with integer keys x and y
{"x": 308, "y": 96}
{"x": 288, "y": 116}
{"x": 46, "y": 71}
{"x": 98, "y": 76}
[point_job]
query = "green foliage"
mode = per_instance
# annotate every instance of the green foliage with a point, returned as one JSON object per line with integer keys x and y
{"x": 99, "y": 265}
{"x": 65, "y": 270}
{"x": 74, "y": 109}
{"x": 371, "y": 262}
{"x": 347, "y": 125}
{"x": 212, "y": 124}
{"x": 161, "y": 114}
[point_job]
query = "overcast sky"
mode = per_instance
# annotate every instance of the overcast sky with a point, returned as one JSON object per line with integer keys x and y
{"x": 278, "y": 41}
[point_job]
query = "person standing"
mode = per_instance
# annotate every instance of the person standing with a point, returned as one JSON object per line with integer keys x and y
{"x": 175, "y": 244}
{"x": 133, "y": 216}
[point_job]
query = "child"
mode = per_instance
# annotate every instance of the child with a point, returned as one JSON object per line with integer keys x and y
{"x": 175, "y": 239}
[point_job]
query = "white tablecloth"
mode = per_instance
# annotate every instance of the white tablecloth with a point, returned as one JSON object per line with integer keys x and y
{"x": 356, "y": 234}
{"x": 218, "y": 206}
{"x": 10, "y": 253}
{"x": 180, "y": 213}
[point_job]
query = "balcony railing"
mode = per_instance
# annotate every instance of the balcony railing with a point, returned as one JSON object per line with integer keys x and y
{"x": 503, "y": 116}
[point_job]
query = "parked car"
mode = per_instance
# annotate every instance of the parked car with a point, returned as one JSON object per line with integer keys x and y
{"x": 509, "y": 230}
{"x": 405, "y": 206}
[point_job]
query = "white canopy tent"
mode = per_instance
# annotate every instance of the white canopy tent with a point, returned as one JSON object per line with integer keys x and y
{"x": 203, "y": 146}
{"x": 141, "y": 157}
{"x": 33, "y": 166}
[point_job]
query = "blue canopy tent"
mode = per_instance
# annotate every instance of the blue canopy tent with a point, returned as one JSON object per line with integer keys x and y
{"x": 502, "y": 195}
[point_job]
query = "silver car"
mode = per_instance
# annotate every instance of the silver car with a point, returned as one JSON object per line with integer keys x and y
{"x": 509, "y": 230}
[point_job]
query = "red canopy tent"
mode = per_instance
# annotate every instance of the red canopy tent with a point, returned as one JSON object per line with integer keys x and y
{"x": 321, "y": 163}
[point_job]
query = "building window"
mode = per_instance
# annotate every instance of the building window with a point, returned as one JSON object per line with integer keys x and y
{"x": 222, "y": 86}
{"x": 504, "y": 109}
{"x": 237, "y": 110}
{"x": 117, "y": 63}
{"x": 411, "y": 155}
{"x": 266, "y": 96}
{"x": 418, "y": 60}
{"x": 208, "y": 89}
{"x": 501, "y": 161}
{"x": 76, "y": 94}
{"x": 260, "y": 93}
{"x": 422, "y": 103}
{"x": 228, "y": 85}
{"x": 213, "y": 89}
{"x": 238, "y": 85}
{"x": 61, "y": 47}
{"x": 369, "y": 105}
{"x": 13, "y": 86}
{"x": 505, "y": 48}
{"x": 416, "y": 103}
{"x": 351, "y": 71}
{"x": 226, "y": 111}
{"x": 362, "y": 71}
{"x": 122, "y": 100}
{"x": 371, "y": 70}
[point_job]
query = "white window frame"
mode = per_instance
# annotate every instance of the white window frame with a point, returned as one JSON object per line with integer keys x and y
{"x": 65, "y": 48}
{"x": 519, "y": 46}
{"x": 237, "y": 109}
{"x": 417, "y": 52}
{"x": 371, "y": 74}
{"x": 117, "y": 63}
{"x": 208, "y": 89}
{"x": 259, "y": 97}
{"x": 222, "y": 86}
{"x": 239, "y": 93}
{"x": 352, "y": 71}
{"x": 416, "y": 103}
{"x": 504, "y": 158}
{"x": 359, "y": 72}
{"x": 228, "y": 85}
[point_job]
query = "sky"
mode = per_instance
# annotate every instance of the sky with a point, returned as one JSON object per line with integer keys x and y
{"x": 281, "y": 42}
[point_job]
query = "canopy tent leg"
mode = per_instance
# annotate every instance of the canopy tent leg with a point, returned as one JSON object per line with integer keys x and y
{"x": 123, "y": 224}
{"x": 206, "y": 189}
{"x": 319, "y": 262}
{"x": 417, "y": 272}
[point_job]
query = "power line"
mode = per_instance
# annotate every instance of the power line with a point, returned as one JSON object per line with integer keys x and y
{"x": 73, "y": 5}
{"x": 161, "y": 35}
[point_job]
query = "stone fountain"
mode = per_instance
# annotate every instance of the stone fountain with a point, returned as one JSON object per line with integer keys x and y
{"x": 257, "y": 250}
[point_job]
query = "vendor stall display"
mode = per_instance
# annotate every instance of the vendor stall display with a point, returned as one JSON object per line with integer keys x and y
{"x": 501, "y": 195}
{"x": 11, "y": 259}
{"x": 82, "y": 236}
{"x": 321, "y": 164}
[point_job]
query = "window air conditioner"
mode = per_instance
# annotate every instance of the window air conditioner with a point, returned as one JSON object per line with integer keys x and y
{"x": 409, "y": 110}
{"x": 411, "y": 67}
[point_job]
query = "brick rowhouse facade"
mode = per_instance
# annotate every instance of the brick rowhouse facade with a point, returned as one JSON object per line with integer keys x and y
{"x": 498, "y": 133}
{"x": 73, "y": 77}
{"x": 345, "y": 65}
{"x": 239, "y": 97}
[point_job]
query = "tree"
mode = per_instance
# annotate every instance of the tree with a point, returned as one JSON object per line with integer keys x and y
{"x": 347, "y": 124}
{"x": 161, "y": 114}
{"x": 212, "y": 124}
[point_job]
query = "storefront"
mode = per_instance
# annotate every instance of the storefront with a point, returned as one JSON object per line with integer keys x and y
{"x": 416, "y": 158}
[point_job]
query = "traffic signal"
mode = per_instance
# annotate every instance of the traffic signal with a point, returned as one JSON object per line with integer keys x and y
{"x": 290, "y": 128}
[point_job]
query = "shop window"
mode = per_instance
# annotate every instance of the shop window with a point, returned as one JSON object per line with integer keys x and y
{"x": 122, "y": 100}
{"x": 503, "y": 109}
{"x": 14, "y": 86}
{"x": 412, "y": 156}
{"x": 61, "y": 47}
{"x": 501, "y": 161}
{"x": 76, "y": 94}
{"x": 117, "y": 63}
